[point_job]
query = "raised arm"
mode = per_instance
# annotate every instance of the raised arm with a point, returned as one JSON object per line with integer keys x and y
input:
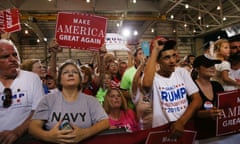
{"x": 137, "y": 78}
{"x": 53, "y": 48}
{"x": 228, "y": 80}
{"x": 5, "y": 35}
{"x": 150, "y": 68}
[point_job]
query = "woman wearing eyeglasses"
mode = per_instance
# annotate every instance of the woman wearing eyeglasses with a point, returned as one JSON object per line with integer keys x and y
{"x": 68, "y": 116}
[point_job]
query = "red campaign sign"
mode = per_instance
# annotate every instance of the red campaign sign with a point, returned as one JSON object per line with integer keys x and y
{"x": 80, "y": 31}
{"x": 229, "y": 121}
{"x": 161, "y": 137}
{"x": 9, "y": 20}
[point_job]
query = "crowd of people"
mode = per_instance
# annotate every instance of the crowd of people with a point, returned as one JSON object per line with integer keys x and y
{"x": 72, "y": 102}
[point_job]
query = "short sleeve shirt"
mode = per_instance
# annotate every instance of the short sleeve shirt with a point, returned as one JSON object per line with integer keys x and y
{"x": 84, "y": 112}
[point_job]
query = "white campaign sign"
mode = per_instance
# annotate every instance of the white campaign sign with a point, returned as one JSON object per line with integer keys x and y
{"x": 116, "y": 42}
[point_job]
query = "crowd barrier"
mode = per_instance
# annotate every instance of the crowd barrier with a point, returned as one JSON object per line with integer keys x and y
{"x": 138, "y": 137}
{"x": 117, "y": 137}
{"x": 203, "y": 128}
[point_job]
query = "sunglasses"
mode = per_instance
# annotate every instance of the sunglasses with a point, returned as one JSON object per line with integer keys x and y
{"x": 8, "y": 97}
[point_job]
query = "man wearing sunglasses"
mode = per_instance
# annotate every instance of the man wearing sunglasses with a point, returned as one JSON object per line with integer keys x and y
{"x": 20, "y": 92}
{"x": 169, "y": 87}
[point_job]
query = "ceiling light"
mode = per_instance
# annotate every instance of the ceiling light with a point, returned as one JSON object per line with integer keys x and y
{"x": 174, "y": 30}
{"x": 45, "y": 39}
{"x": 218, "y": 7}
{"x": 207, "y": 26}
{"x": 26, "y": 31}
{"x": 172, "y": 16}
{"x": 134, "y": 1}
{"x": 87, "y": 1}
{"x": 135, "y": 33}
{"x": 38, "y": 40}
{"x": 152, "y": 30}
{"x": 224, "y": 18}
{"x": 199, "y": 17}
{"x": 118, "y": 25}
{"x": 126, "y": 32}
{"x": 185, "y": 25}
{"x": 49, "y": 0}
{"x": 194, "y": 31}
{"x": 186, "y": 6}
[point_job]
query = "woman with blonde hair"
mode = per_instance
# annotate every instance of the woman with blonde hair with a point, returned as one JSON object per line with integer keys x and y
{"x": 35, "y": 66}
{"x": 120, "y": 116}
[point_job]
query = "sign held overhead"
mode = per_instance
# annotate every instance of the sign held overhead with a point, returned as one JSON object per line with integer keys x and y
{"x": 80, "y": 31}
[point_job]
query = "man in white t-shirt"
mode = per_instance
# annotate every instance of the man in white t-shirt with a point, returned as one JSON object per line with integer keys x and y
{"x": 20, "y": 92}
{"x": 169, "y": 88}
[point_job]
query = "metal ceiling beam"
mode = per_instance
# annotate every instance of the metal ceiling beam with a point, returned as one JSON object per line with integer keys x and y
{"x": 237, "y": 8}
{"x": 34, "y": 27}
{"x": 211, "y": 15}
{"x": 216, "y": 28}
{"x": 195, "y": 23}
{"x": 204, "y": 10}
{"x": 171, "y": 8}
{"x": 16, "y": 3}
{"x": 144, "y": 27}
{"x": 194, "y": 8}
{"x": 53, "y": 17}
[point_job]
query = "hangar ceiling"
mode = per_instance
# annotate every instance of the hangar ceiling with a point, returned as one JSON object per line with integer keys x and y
{"x": 196, "y": 17}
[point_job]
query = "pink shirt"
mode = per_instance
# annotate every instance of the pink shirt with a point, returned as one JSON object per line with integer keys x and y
{"x": 127, "y": 120}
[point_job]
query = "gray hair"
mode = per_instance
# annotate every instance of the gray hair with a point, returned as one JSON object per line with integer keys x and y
{"x": 9, "y": 42}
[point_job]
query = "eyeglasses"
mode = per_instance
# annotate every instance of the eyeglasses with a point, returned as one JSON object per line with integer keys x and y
{"x": 8, "y": 97}
{"x": 234, "y": 47}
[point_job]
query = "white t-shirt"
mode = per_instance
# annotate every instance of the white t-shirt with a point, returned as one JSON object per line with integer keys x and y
{"x": 225, "y": 65}
{"x": 235, "y": 75}
{"x": 84, "y": 112}
{"x": 53, "y": 90}
{"x": 27, "y": 91}
{"x": 170, "y": 96}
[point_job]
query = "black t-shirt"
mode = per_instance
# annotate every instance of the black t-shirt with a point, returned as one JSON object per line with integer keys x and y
{"x": 217, "y": 87}
{"x": 206, "y": 127}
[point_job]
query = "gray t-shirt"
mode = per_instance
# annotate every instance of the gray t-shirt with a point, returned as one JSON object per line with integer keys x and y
{"x": 84, "y": 112}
